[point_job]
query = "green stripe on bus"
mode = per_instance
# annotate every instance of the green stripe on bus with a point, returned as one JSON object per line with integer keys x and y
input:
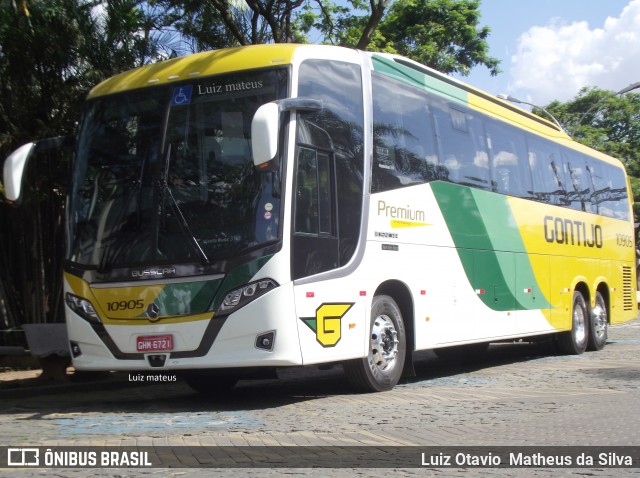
{"x": 186, "y": 298}
{"x": 415, "y": 78}
{"x": 202, "y": 296}
{"x": 489, "y": 245}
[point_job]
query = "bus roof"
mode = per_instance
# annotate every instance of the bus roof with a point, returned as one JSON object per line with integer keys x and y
{"x": 197, "y": 65}
{"x": 419, "y": 75}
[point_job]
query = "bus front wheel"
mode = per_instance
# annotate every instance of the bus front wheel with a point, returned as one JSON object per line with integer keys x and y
{"x": 574, "y": 342}
{"x": 382, "y": 368}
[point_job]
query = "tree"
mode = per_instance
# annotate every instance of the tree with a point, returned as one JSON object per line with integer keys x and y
{"x": 226, "y": 23}
{"x": 51, "y": 54}
{"x": 41, "y": 74}
{"x": 38, "y": 70}
{"x": 443, "y": 34}
{"x": 613, "y": 127}
{"x": 200, "y": 25}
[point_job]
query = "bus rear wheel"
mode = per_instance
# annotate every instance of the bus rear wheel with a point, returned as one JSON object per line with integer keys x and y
{"x": 574, "y": 342}
{"x": 598, "y": 324}
{"x": 382, "y": 368}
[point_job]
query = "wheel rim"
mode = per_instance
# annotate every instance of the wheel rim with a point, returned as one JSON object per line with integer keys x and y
{"x": 384, "y": 343}
{"x": 579, "y": 324}
{"x": 600, "y": 321}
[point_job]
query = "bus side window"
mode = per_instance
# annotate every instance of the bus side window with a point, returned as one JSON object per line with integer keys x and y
{"x": 546, "y": 168}
{"x": 510, "y": 171}
{"x": 617, "y": 199}
{"x": 463, "y": 146}
{"x": 579, "y": 187}
{"x": 609, "y": 190}
{"x": 313, "y": 205}
{"x": 600, "y": 187}
{"x": 403, "y": 134}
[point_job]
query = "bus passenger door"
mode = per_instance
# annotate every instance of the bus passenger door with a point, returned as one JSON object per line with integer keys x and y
{"x": 315, "y": 244}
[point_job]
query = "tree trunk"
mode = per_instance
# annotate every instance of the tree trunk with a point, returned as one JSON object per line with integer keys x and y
{"x": 377, "y": 11}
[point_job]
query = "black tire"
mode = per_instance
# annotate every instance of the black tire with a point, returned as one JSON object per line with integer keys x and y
{"x": 382, "y": 368}
{"x": 574, "y": 342}
{"x": 209, "y": 383}
{"x": 598, "y": 324}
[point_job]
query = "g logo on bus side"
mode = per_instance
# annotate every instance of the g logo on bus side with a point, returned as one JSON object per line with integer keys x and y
{"x": 327, "y": 323}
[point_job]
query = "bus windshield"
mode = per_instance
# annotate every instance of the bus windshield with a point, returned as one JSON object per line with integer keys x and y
{"x": 165, "y": 174}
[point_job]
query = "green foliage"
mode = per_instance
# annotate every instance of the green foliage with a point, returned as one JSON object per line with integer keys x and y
{"x": 443, "y": 34}
{"x": 51, "y": 54}
{"x": 331, "y": 21}
{"x": 40, "y": 70}
{"x": 54, "y": 52}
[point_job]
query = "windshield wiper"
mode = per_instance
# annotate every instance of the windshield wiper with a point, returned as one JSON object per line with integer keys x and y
{"x": 182, "y": 222}
{"x": 109, "y": 254}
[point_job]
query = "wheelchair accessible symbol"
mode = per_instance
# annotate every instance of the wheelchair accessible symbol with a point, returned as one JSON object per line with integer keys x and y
{"x": 181, "y": 95}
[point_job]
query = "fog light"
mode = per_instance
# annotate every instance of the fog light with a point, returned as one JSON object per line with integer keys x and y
{"x": 266, "y": 341}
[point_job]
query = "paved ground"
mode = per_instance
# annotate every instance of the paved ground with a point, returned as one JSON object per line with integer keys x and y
{"x": 519, "y": 395}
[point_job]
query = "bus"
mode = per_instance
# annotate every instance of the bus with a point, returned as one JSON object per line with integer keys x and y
{"x": 241, "y": 210}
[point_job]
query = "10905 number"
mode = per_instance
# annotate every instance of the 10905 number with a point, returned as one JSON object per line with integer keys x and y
{"x": 125, "y": 305}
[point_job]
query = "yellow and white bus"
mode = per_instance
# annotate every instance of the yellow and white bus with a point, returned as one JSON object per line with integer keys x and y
{"x": 289, "y": 205}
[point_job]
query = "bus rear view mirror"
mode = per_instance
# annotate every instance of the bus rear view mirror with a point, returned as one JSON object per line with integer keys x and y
{"x": 265, "y": 126}
{"x": 16, "y": 163}
{"x": 13, "y": 171}
{"x": 264, "y": 134}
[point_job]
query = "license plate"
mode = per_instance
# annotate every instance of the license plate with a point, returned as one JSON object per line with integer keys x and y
{"x": 154, "y": 343}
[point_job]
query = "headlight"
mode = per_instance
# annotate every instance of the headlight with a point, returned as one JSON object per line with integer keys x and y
{"x": 238, "y": 298}
{"x": 82, "y": 307}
